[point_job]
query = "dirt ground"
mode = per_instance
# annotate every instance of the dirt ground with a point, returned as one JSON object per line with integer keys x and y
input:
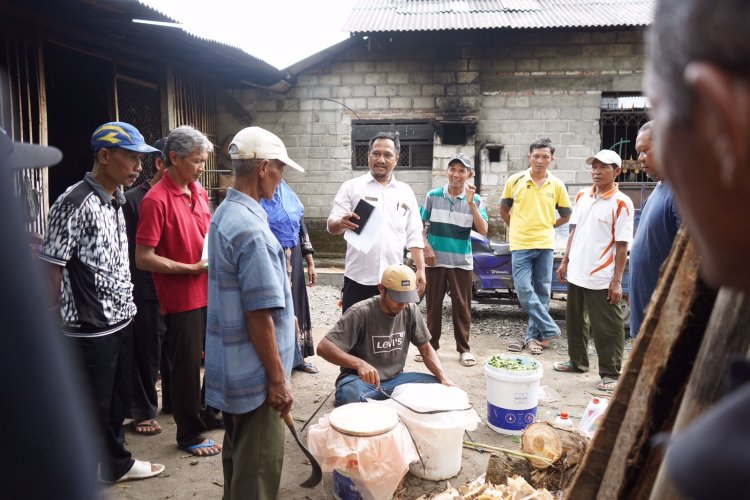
{"x": 191, "y": 477}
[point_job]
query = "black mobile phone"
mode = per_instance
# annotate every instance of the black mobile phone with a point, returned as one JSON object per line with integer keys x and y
{"x": 363, "y": 210}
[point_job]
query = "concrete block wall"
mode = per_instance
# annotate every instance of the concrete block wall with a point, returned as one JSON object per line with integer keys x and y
{"x": 516, "y": 86}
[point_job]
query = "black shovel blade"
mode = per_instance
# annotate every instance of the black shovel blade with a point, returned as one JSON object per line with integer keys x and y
{"x": 317, "y": 473}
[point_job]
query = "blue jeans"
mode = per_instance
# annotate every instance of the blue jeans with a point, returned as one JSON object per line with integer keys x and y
{"x": 352, "y": 389}
{"x": 532, "y": 279}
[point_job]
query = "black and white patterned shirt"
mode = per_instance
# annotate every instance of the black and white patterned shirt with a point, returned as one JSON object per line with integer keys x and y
{"x": 86, "y": 235}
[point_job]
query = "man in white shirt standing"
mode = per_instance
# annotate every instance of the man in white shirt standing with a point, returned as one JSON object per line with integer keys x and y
{"x": 601, "y": 228}
{"x": 401, "y": 227}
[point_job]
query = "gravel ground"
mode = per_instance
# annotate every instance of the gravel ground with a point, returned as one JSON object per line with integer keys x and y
{"x": 494, "y": 326}
{"x": 501, "y": 320}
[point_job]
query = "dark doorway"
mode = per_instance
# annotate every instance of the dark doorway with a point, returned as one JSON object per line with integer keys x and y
{"x": 79, "y": 98}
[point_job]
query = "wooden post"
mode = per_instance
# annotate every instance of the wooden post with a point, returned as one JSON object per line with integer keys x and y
{"x": 618, "y": 461}
{"x": 726, "y": 335}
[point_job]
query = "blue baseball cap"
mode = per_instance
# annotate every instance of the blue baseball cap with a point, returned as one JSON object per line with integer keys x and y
{"x": 120, "y": 135}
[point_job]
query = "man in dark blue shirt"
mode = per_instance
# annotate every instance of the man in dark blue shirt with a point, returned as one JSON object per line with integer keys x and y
{"x": 658, "y": 227}
{"x": 149, "y": 328}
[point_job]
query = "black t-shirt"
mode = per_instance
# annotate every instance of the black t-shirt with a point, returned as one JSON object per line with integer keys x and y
{"x": 143, "y": 283}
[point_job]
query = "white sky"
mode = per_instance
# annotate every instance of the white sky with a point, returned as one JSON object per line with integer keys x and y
{"x": 280, "y": 32}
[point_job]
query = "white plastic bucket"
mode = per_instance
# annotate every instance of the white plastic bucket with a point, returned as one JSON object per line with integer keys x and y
{"x": 512, "y": 397}
{"x": 439, "y": 436}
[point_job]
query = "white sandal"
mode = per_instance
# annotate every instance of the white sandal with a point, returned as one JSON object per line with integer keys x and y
{"x": 467, "y": 359}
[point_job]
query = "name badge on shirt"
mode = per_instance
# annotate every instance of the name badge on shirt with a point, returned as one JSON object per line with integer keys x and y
{"x": 370, "y": 198}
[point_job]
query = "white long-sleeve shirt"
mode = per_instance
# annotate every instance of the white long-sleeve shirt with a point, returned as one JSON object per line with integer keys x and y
{"x": 402, "y": 227}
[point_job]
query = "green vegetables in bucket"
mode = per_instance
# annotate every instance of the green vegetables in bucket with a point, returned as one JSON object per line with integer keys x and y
{"x": 513, "y": 364}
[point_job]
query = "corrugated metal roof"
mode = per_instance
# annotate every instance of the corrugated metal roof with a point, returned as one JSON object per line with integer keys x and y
{"x": 434, "y": 15}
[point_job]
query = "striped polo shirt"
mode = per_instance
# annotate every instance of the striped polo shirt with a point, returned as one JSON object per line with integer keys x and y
{"x": 450, "y": 221}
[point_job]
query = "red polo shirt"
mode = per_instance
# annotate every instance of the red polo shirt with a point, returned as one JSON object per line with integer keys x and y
{"x": 176, "y": 230}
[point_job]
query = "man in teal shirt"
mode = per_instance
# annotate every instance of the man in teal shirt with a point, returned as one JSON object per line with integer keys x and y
{"x": 449, "y": 213}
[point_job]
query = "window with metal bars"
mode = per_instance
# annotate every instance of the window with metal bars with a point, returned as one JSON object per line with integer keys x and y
{"x": 621, "y": 117}
{"x": 416, "y": 139}
{"x": 138, "y": 103}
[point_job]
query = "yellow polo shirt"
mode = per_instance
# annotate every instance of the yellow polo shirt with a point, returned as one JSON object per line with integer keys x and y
{"x": 532, "y": 221}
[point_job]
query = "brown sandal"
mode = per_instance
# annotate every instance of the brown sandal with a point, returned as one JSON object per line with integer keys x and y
{"x": 535, "y": 347}
{"x": 515, "y": 346}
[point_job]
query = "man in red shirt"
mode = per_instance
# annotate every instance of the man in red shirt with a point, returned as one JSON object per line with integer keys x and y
{"x": 173, "y": 224}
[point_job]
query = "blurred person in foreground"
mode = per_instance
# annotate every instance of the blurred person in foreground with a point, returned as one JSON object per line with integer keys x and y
{"x": 698, "y": 80}
{"x": 86, "y": 249}
{"x": 37, "y": 372}
{"x": 250, "y": 333}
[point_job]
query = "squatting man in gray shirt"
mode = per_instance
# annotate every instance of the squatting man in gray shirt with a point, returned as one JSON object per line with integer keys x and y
{"x": 371, "y": 340}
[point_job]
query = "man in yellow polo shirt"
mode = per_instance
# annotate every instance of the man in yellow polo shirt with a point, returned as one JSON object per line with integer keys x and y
{"x": 528, "y": 206}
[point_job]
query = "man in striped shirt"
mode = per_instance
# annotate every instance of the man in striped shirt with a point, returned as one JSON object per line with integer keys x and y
{"x": 448, "y": 214}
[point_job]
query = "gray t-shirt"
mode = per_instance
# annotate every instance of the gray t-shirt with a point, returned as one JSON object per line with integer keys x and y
{"x": 366, "y": 332}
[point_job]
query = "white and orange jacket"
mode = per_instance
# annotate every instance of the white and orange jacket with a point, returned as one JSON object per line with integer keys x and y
{"x": 600, "y": 220}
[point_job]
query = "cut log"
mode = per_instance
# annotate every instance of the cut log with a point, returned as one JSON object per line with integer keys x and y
{"x": 563, "y": 447}
{"x": 554, "y": 443}
{"x": 500, "y": 467}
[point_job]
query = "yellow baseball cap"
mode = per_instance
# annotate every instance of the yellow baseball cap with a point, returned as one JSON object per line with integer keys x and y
{"x": 401, "y": 283}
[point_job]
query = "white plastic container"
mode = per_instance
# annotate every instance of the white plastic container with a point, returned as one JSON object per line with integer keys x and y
{"x": 592, "y": 415}
{"x": 563, "y": 420}
{"x": 439, "y": 436}
{"x": 512, "y": 396}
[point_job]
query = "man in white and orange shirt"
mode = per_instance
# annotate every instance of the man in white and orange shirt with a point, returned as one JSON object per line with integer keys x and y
{"x": 601, "y": 228}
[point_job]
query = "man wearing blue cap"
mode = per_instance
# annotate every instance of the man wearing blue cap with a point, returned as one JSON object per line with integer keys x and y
{"x": 87, "y": 252}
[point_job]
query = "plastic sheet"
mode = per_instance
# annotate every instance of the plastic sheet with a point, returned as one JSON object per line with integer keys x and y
{"x": 376, "y": 464}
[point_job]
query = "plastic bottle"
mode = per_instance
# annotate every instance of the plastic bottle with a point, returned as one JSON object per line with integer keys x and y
{"x": 564, "y": 421}
{"x": 592, "y": 415}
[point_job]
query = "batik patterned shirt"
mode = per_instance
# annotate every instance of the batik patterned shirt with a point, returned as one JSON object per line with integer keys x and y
{"x": 86, "y": 236}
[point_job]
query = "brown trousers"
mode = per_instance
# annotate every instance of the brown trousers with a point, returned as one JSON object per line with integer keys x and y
{"x": 458, "y": 281}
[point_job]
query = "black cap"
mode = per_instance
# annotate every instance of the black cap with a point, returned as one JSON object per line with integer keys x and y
{"x": 17, "y": 155}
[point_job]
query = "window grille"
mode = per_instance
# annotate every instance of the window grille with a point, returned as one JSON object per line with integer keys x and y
{"x": 138, "y": 103}
{"x": 21, "y": 116}
{"x": 621, "y": 117}
{"x": 416, "y": 139}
